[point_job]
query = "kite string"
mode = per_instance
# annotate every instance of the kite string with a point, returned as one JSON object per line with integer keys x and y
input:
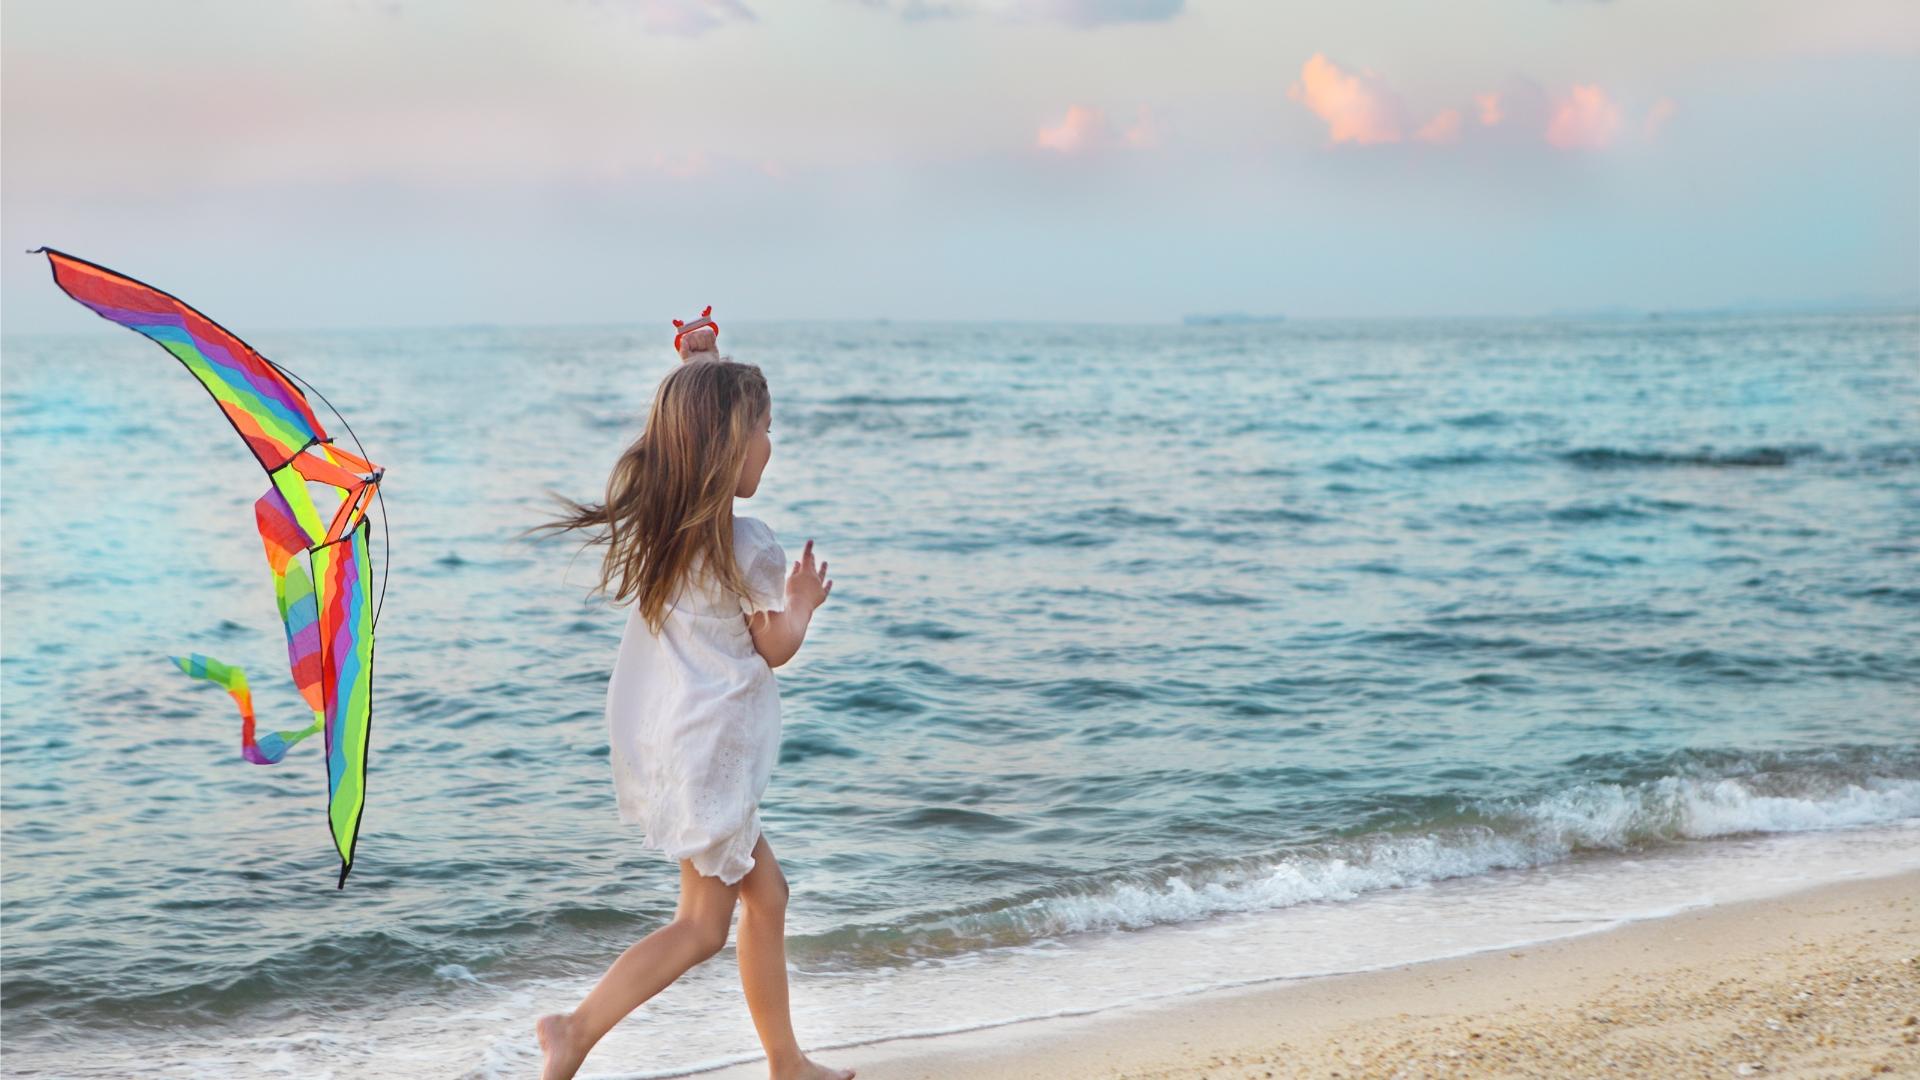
{"x": 386, "y": 530}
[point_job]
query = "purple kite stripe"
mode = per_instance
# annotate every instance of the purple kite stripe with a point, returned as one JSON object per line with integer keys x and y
{"x": 248, "y": 373}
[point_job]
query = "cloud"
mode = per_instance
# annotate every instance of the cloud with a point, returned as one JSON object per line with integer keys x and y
{"x": 1361, "y": 108}
{"x": 1358, "y": 108}
{"x": 1085, "y": 129}
{"x": 686, "y": 165}
{"x": 1657, "y": 117}
{"x": 1078, "y": 131}
{"x": 688, "y": 18}
{"x": 918, "y": 10}
{"x": 1098, "y": 12}
{"x": 1443, "y": 128}
{"x": 1080, "y": 13}
{"x": 1364, "y": 108}
{"x": 1489, "y": 106}
{"x": 1586, "y": 119}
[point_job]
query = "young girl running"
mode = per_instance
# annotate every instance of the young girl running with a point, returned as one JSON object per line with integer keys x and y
{"x": 692, "y": 708}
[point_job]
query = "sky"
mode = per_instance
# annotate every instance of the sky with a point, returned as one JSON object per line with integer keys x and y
{"x": 310, "y": 164}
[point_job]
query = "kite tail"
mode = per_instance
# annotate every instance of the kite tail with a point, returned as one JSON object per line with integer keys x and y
{"x": 266, "y": 750}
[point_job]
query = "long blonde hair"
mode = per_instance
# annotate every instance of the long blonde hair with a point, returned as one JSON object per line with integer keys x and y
{"x": 669, "y": 499}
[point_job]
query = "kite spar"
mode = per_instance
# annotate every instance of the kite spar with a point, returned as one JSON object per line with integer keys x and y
{"x": 320, "y": 567}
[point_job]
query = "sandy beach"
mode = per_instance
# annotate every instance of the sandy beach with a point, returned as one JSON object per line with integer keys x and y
{"x": 1824, "y": 982}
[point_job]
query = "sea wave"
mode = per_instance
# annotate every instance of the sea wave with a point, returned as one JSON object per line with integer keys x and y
{"x": 1764, "y": 456}
{"x": 1872, "y": 455}
{"x": 1751, "y": 795}
{"x": 1702, "y": 797}
{"x": 1610, "y": 457}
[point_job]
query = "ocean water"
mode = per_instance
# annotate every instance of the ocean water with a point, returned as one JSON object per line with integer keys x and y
{"x": 1159, "y": 659}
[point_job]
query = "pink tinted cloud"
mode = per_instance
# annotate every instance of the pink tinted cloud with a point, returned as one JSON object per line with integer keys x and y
{"x": 1443, "y": 128}
{"x": 1586, "y": 119}
{"x": 1085, "y": 129}
{"x": 1357, "y": 107}
{"x": 1078, "y": 131}
{"x": 1361, "y": 108}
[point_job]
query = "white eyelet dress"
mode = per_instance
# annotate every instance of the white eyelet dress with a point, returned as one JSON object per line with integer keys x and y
{"x": 694, "y": 715}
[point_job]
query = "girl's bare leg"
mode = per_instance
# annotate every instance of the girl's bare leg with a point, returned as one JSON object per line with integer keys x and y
{"x": 762, "y": 949}
{"x": 697, "y": 932}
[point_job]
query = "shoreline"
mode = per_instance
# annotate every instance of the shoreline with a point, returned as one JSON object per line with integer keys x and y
{"x": 1816, "y": 982}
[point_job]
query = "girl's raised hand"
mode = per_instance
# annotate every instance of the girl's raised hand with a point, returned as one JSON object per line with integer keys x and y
{"x": 807, "y": 584}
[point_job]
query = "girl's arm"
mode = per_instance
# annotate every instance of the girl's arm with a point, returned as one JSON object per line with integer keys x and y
{"x": 777, "y": 635}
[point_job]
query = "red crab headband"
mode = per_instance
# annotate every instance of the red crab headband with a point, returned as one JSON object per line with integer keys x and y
{"x": 681, "y": 329}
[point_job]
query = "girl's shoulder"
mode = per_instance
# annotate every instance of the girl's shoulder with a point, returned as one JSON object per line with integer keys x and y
{"x": 763, "y": 563}
{"x": 751, "y": 535}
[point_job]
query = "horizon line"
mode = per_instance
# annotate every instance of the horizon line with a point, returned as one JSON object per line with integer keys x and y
{"x": 1190, "y": 320}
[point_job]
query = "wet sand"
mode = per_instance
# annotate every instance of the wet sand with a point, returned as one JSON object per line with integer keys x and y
{"x": 1823, "y": 982}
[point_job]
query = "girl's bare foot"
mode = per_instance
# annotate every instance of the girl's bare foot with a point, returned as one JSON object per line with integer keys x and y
{"x": 807, "y": 1070}
{"x": 563, "y": 1058}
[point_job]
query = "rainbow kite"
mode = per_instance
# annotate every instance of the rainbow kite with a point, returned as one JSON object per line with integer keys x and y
{"x": 323, "y": 598}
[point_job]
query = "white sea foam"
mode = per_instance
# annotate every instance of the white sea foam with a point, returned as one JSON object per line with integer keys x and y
{"x": 1726, "y": 808}
{"x": 1503, "y": 835}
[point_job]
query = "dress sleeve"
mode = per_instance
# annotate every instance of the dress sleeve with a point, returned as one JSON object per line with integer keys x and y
{"x": 765, "y": 568}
